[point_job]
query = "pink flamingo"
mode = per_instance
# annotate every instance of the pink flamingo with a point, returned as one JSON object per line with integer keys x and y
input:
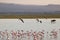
{"x": 28, "y": 35}
{"x": 54, "y": 34}
{"x": 35, "y": 36}
{"x": 41, "y": 34}
{"x": 7, "y": 34}
{"x": 22, "y": 34}
{"x": 14, "y": 35}
{"x": 2, "y": 35}
{"x": 18, "y": 34}
{"x": 38, "y": 35}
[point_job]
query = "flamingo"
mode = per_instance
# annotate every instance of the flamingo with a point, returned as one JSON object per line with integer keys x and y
{"x": 18, "y": 34}
{"x": 28, "y": 35}
{"x": 2, "y": 35}
{"x": 35, "y": 36}
{"x": 14, "y": 35}
{"x": 42, "y": 35}
{"x": 22, "y": 34}
{"x": 7, "y": 34}
{"x": 54, "y": 34}
{"x": 38, "y": 34}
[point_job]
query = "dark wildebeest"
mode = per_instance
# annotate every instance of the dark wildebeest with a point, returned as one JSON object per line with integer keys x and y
{"x": 39, "y": 20}
{"x": 21, "y": 20}
{"x": 52, "y": 21}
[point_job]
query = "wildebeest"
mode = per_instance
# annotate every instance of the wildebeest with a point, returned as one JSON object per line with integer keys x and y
{"x": 52, "y": 21}
{"x": 39, "y": 20}
{"x": 21, "y": 20}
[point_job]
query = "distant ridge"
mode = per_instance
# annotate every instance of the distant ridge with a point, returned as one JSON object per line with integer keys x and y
{"x": 4, "y": 7}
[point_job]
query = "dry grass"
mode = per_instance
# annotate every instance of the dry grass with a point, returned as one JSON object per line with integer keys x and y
{"x": 30, "y": 16}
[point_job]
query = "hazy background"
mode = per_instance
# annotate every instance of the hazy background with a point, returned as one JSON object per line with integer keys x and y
{"x": 32, "y": 7}
{"x": 32, "y": 2}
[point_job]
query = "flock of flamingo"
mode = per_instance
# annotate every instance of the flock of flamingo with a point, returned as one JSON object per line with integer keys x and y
{"x": 28, "y": 35}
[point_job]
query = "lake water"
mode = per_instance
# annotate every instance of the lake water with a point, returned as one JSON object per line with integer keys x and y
{"x": 31, "y": 24}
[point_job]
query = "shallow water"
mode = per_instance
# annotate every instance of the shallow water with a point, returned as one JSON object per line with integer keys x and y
{"x": 16, "y": 24}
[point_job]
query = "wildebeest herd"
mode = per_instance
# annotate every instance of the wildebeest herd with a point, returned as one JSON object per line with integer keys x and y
{"x": 52, "y": 21}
